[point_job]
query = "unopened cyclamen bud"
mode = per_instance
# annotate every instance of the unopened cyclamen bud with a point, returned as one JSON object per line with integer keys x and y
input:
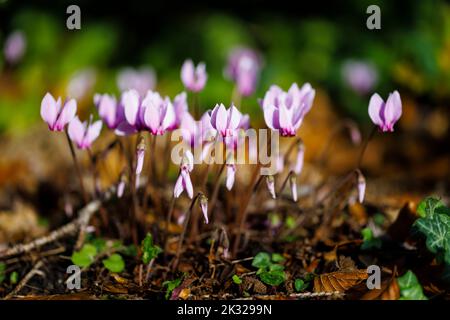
{"x": 355, "y": 134}
{"x": 121, "y": 186}
{"x": 204, "y": 206}
{"x": 140, "y": 153}
{"x": 271, "y": 186}
{"x": 293, "y": 184}
{"x": 361, "y": 186}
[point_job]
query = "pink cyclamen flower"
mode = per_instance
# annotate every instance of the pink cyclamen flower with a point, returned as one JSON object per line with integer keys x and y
{"x": 270, "y": 181}
{"x": 141, "y": 80}
{"x": 81, "y": 83}
{"x": 159, "y": 115}
{"x": 204, "y": 206}
{"x": 15, "y": 46}
{"x": 180, "y": 106}
{"x": 194, "y": 78}
{"x": 84, "y": 133}
{"x": 385, "y": 115}
{"x": 360, "y": 76}
{"x": 184, "y": 180}
{"x": 285, "y": 111}
{"x": 226, "y": 122}
{"x": 56, "y": 116}
{"x": 243, "y": 67}
{"x": 109, "y": 109}
{"x": 231, "y": 174}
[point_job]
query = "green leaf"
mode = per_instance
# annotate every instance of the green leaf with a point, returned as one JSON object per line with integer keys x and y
{"x": 290, "y": 222}
{"x": 236, "y": 279}
{"x": 379, "y": 219}
{"x": 300, "y": 285}
{"x": 171, "y": 285}
{"x": 149, "y": 250}
{"x": 276, "y": 267}
{"x": 13, "y": 277}
{"x": 114, "y": 263}
{"x": 276, "y": 257}
{"x": 410, "y": 288}
{"x": 261, "y": 260}
{"x": 130, "y": 250}
{"x": 85, "y": 256}
{"x": 99, "y": 243}
{"x": 273, "y": 278}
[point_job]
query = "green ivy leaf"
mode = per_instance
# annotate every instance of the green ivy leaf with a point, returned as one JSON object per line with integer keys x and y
{"x": 149, "y": 250}
{"x": 436, "y": 228}
{"x": 130, "y": 250}
{"x": 430, "y": 206}
{"x": 114, "y": 263}
{"x": 85, "y": 256}
{"x": 410, "y": 288}
{"x": 300, "y": 285}
{"x": 261, "y": 260}
{"x": 236, "y": 279}
{"x": 171, "y": 285}
{"x": 273, "y": 278}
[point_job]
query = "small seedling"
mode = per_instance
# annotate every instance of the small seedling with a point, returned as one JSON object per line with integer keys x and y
{"x": 300, "y": 285}
{"x": 114, "y": 263}
{"x": 85, "y": 256}
{"x": 171, "y": 285}
{"x": 149, "y": 250}
{"x": 236, "y": 279}
{"x": 269, "y": 271}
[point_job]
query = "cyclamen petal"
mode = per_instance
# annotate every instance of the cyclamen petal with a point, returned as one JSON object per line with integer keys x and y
{"x": 120, "y": 189}
{"x": 204, "y": 207}
{"x": 49, "y": 110}
{"x": 76, "y": 131}
{"x": 187, "y": 183}
{"x": 178, "y": 188}
{"x": 231, "y": 173}
{"x": 130, "y": 102}
{"x": 270, "y": 181}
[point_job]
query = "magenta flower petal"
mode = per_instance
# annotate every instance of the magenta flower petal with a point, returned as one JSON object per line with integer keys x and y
{"x": 130, "y": 102}
{"x": 93, "y": 131}
{"x": 66, "y": 114}
{"x": 49, "y": 110}
{"x": 178, "y": 188}
{"x": 231, "y": 173}
{"x": 193, "y": 78}
{"x": 76, "y": 131}
{"x": 187, "y": 183}
{"x": 375, "y": 105}
{"x": 361, "y": 187}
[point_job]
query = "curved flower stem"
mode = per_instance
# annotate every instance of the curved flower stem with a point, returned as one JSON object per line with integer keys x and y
{"x": 77, "y": 168}
{"x": 364, "y": 147}
{"x": 166, "y": 159}
{"x": 216, "y": 188}
{"x": 183, "y": 233}
{"x": 242, "y": 216}
{"x": 291, "y": 148}
{"x": 169, "y": 218}
{"x": 236, "y": 97}
{"x": 283, "y": 185}
{"x": 94, "y": 172}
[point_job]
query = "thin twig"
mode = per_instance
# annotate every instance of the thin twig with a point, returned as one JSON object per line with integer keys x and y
{"x": 25, "y": 280}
